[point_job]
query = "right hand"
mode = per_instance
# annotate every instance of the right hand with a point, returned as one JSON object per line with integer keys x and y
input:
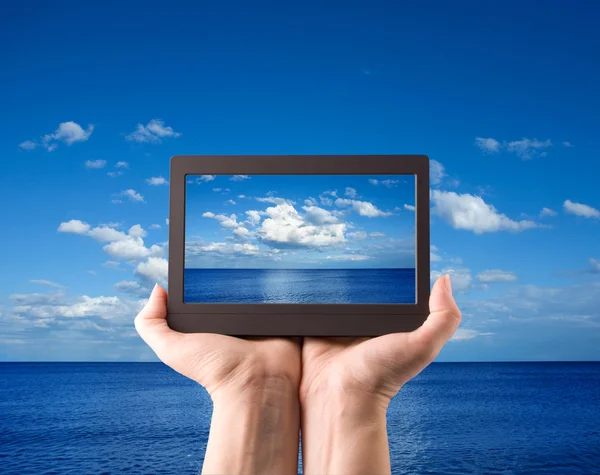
{"x": 378, "y": 367}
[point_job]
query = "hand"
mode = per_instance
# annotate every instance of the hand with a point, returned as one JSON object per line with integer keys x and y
{"x": 218, "y": 362}
{"x": 253, "y": 384}
{"x": 379, "y": 367}
{"x": 347, "y": 384}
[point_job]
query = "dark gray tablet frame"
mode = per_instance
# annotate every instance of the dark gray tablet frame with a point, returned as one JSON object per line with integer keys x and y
{"x": 296, "y": 319}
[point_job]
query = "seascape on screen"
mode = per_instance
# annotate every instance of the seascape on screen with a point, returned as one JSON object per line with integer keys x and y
{"x": 300, "y": 239}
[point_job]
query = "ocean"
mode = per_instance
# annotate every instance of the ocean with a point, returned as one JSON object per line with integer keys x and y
{"x": 453, "y": 418}
{"x": 299, "y": 285}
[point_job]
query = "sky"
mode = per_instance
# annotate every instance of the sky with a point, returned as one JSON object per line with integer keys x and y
{"x": 300, "y": 221}
{"x": 503, "y": 98}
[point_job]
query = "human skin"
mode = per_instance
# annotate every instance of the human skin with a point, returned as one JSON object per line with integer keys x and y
{"x": 253, "y": 384}
{"x": 347, "y": 385}
{"x": 258, "y": 387}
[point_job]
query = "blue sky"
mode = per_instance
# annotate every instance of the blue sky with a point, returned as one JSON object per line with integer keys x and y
{"x": 303, "y": 221}
{"x": 503, "y": 98}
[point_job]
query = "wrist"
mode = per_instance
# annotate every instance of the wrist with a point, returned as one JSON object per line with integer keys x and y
{"x": 254, "y": 428}
{"x": 342, "y": 390}
{"x": 344, "y": 432}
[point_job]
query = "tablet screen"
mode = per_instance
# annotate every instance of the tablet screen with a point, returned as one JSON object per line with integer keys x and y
{"x": 300, "y": 239}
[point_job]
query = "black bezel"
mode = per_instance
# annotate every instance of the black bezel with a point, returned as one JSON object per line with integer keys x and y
{"x": 296, "y": 319}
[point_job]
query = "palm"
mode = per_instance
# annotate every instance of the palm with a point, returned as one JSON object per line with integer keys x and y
{"x": 375, "y": 365}
{"x": 380, "y": 366}
{"x": 214, "y": 360}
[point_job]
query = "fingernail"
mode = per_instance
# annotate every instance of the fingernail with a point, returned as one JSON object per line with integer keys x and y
{"x": 447, "y": 283}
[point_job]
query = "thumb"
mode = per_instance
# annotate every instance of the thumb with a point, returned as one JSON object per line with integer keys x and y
{"x": 151, "y": 322}
{"x": 444, "y": 316}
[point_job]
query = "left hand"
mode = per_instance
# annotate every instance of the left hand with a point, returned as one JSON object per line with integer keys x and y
{"x": 219, "y": 363}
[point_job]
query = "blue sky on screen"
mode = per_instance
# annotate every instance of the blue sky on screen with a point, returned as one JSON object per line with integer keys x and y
{"x": 300, "y": 222}
{"x": 503, "y": 98}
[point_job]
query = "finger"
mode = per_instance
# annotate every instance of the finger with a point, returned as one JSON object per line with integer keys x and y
{"x": 151, "y": 322}
{"x": 444, "y": 317}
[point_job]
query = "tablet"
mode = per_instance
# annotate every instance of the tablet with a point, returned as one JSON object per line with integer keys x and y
{"x": 319, "y": 245}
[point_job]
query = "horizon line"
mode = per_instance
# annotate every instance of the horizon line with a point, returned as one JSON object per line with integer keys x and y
{"x": 299, "y": 268}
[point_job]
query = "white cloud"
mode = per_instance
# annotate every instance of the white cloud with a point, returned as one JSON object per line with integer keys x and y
{"x": 488, "y": 145}
{"x": 50, "y": 307}
{"x": 580, "y": 209}
{"x": 275, "y": 201}
{"x": 409, "y": 207}
{"x": 547, "y": 212}
{"x": 284, "y": 226}
{"x": 241, "y": 197}
{"x": 358, "y": 235}
{"x": 120, "y": 245}
{"x": 471, "y": 213}
{"x": 527, "y": 148}
{"x": 573, "y": 305}
{"x": 363, "y": 208}
{"x": 157, "y": 180}
{"x": 230, "y": 202}
{"x": 225, "y": 221}
{"x": 111, "y": 264}
{"x": 67, "y": 133}
{"x": 389, "y": 183}
{"x": 496, "y": 275}
{"x": 114, "y": 174}
{"x": 595, "y": 265}
{"x": 253, "y": 217}
{"x": 116, "y": 201}
{"x": 95, "y": 163}
{"x": 349, "y": 257}
{"x": 463, "y": 334}
{"x": 154, "y": 269}
{"x": 241, "y": 232}
{"x": 133, "y": 195}
{"x": 433, "y": 257}
{"x": 318, "y": 216}
{"x": 436, "y": 172}
{"x": 310, "y": 201}
{"x": 376, "y": 234}
{"x": 206, "y": 179}
{"x": 226, "y": 248}
{"x": 459, "y": 278}
{"x": 154, "y": 132}
{"x": 122, "y": 165}
{"x": 350, "y": 192}
{"x": 239, "y": 177}
{"x": 106, "y": 234}
{"x": 568, "y": 144}
{"x": 28, "y": 145}
{"x": 132, "y": 249}
{"x": 132, "y": 287}
{"x": 137, "y": 231}
{"x": 325, "y": 200}
{"x": 155, "y": 226}
{"x": 48, "y": 283}
{"x": 74, "y": 226}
